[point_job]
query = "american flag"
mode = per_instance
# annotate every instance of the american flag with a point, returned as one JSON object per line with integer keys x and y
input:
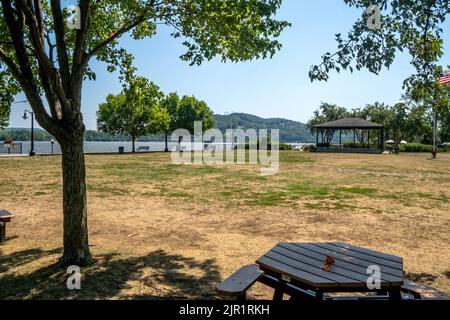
{"x": 444, "y": 78}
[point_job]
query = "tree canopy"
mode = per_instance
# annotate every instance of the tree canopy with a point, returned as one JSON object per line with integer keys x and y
{"x": 190, "y": 109}
{"x": 411, "y": 26}
{"x": 135, "y": 112}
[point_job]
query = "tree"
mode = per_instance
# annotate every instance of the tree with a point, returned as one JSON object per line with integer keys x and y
{"x": 445, "y": 132}
{"x": 47, "y": 60}
{"x": 190, "y": 110}
{"x": 171, "y": 104}
{"x": 4, "y": 117}
{"x": 327, "y": 112}
{"x": 134, "y": 112}
{"x": 376, "y": 112}
{"x": 7, "y": 91}
{"x": 412, "y": 26}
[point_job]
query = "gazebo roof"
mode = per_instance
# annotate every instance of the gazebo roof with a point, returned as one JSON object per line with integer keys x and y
{"x": 349, "y": 123}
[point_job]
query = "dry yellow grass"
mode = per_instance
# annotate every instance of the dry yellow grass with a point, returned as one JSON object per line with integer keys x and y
{"x": 160, "y": 230}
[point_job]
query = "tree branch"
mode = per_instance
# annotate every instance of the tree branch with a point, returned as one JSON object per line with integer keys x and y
{"x": 23, "y": 72}
{"x": 127, "y": 27}
{"x": 78, "y": 65}
{"x": 47, "y": 73}
{"x": 61, "y": 47}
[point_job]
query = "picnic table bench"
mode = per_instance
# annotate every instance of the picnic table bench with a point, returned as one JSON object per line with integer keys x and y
{"x": 5, "y": 217}
{"x": 313, "y": 271}
{"x": 143, "y": 148}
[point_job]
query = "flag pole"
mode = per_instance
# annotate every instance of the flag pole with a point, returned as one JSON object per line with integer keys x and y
{"x": 434, "y": 134}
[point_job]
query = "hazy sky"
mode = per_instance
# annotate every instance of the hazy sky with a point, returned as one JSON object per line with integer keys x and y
{"x": 279, "y": 87}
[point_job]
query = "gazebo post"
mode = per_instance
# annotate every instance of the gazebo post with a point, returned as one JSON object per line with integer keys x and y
{"x": 317, "y": 138}
{"x": 340, "y": 138}
{"x": 368, "y": 138}
{"x": 354, "y": 137}
{"x": 378, "y": 138}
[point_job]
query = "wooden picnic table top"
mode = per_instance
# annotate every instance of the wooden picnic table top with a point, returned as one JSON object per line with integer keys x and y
{"x": 5, "y": 215}
{"x": 302, "y": 263}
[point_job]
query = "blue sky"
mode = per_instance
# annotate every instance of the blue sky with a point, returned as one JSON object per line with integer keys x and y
{"x": 278, "y": 87}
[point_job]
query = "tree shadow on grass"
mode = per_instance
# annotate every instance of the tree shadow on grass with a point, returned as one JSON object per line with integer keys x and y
{"x": 447, "y": 274}
{"x": 20, "y": 258}
{"x": 157, "y": 275}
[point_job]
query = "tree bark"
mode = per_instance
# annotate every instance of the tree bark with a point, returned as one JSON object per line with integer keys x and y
{"x": 133, "y": 140}
{"x": 76, "y": 247}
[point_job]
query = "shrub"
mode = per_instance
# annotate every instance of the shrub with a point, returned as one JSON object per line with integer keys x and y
{"x": 285, "y": 146}
{"x": 281, "y": 146}
{"x": 416, "y": 147}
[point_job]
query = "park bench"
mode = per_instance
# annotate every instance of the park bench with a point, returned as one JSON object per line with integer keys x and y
{"x": 239, "y": 282}
{"x": 422, "y": 292}
{"x": 5, "y": 217}
{"x": 144, "y": 148}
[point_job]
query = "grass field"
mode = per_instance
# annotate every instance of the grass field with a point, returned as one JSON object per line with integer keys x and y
{"x": 159, "y": 230}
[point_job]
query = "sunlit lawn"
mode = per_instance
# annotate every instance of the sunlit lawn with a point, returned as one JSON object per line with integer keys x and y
{"x": 160, "y": 230}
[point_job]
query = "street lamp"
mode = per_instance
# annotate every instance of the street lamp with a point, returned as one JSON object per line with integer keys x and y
{"x": 25, "y": 117}
{"x": 53, "y": 142}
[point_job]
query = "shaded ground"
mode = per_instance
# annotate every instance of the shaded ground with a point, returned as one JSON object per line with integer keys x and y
{"x": 160, "y": 230}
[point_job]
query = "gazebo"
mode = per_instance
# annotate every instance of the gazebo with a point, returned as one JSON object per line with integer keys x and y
{"x": 363, "y": 133}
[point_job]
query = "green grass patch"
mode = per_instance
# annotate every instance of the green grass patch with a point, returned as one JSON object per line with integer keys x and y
{"x": 358, "y": 190}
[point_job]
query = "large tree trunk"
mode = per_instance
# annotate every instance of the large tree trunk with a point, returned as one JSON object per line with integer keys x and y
{"x": 133, "y": 142}
{"x": 76, "y": 247}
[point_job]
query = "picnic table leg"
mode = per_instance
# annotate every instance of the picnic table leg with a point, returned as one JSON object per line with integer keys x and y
{"x": 2, "y": 231}
{"x": 278, "y": 295}
{"x": 319, "y": 295}
{"x": 242, "y": 297}
{"x": 395, "y": 295}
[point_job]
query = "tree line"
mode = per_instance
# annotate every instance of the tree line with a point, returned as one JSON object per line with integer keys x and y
{"x": 403, "y": 121}
{"x": 142, "y": 109}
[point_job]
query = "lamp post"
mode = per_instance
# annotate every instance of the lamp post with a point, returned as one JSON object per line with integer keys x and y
{"x": 52, "y": 142}
{"x": 25, "y": 117}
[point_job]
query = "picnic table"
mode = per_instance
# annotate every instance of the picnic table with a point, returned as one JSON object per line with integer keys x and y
{"x": 5, "y": 217}
{"x": 314, "y": 270}
{"x": 302, "y": 265}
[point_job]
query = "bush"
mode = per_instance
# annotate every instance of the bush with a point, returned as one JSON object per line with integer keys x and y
{"x": 351, "y": 145}
{"x": 310, "y": 148}
{"x": 418, "y": 147}
{"x": 285, "y": 146}
{"x": 281, "y": 146}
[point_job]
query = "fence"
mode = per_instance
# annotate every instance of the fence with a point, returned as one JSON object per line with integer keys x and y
{"x": 14, "y": 148}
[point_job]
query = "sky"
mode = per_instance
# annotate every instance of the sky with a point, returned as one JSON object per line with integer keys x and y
{"x": 271, "y": 88}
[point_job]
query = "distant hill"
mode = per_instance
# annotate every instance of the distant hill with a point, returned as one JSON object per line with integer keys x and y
{"x": 290, "y": 131}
